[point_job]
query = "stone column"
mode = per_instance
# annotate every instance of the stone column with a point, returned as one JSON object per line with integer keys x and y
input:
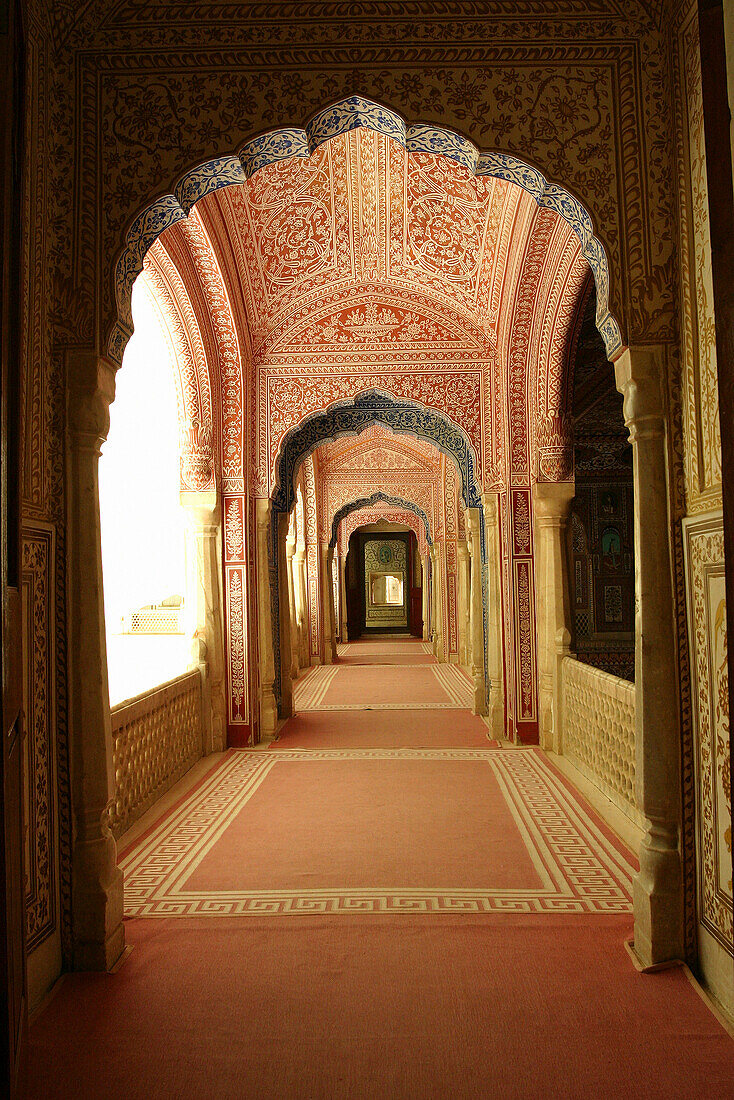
{"x": 496, "y": 693}
{"x": 98, "y": 936}
{"x": 343, "y": 590}
{"x": 425, "y": 608}
{"x": 285, "y": 602}
{"x": 302, "y": 611}
{"x": 657, "y": 889}
{"x": 327, "y": 604}
{"x": 476, "y": 614}
{"x": 336, "y": 596}
{"x": 290, "y": 553}
{"x": 551, "y": 506}
{"x": 204, "y": 531}
{"x": 464, "y": 603}
{"x": 266, "y": 668}
{"x": 436, "y": 609}
{"x": 331, "y": 604}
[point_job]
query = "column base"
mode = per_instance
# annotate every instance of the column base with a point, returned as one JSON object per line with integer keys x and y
{"x": 657, "y": 905}
{"x": 268, "y": 716}
{"x": 496, "y": 712}
{"x": 287, "y": 709}
{"x": 99, "y": 932}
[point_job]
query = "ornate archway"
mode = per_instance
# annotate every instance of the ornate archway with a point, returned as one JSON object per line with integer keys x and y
{"x": 376, "y": 498}
{"x": 352, "y": 417}
{"x": 353, "y": 113}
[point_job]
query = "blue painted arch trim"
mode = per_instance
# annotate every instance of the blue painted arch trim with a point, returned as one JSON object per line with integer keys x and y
{"x": 348, "y": 114}
{"x": 355, "y": 416}
{"x": 376, "y": 498}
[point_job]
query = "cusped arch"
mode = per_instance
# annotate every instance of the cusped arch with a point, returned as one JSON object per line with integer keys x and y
{"x": 382, "y": 512}
{"x": 353, "y": 417}
{"x": 192, "y": 372}
{"x": 349, "y": 114}
{"x": 368, "y": 502}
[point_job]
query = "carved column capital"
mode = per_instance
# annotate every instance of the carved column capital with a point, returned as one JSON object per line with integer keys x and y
{"x": 552, "y": 502}
{"x": 203, "y": 510}
{"x": 490, "y": 507}
{"x": 91, "y": 381}
{"x": 638, "y": 378}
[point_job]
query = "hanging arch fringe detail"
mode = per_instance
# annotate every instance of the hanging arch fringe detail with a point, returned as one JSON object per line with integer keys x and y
{"x": 376, "y": 498}
{"x": 350, "y": 114}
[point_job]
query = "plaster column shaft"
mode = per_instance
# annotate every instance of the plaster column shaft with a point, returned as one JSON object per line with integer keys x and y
{"x": 303, "y": 624}
{"x": 425, "y": 606}
{"x": 657, "y": 889}
{"x": 268, "y": 707}
{"x": 332, "y": 606}
{"x": 98, "y": 936}
{"x": 203, "y": 517}
{"x": 437, "y": 610}
{"x": 551, "y": 506}
{"x": 290, "y": 553}
{"x": 464, "y": 603}
{"x": 285, "y": 603}
{"x": 495, "y": 669}
{"x": 327, "y": 602}
{"x": 343, "y": 590}
{"x": 476, "y": 617}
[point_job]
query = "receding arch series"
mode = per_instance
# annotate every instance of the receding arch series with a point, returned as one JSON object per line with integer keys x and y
{"x": 351, "y": 418}
{"x": 355, "y": 416}
{"x": 377, "y": 498}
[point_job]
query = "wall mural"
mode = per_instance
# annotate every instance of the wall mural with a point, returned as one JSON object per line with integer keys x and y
{"x": 704, "y": 539}
{"x": 696, "y": 491}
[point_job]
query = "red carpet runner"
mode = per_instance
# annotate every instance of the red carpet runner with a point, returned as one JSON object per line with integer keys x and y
{"x": 381, "y": 904}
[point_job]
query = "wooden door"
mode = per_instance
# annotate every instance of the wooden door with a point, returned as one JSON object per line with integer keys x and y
{"x": 13, "y": 1004}
{"x": 355, "y": 605}
{"x": 416, "y": 589}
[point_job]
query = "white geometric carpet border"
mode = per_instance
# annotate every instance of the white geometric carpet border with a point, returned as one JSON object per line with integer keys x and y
{"x": 310, "y": 693}
{"x": 581, "y": 870}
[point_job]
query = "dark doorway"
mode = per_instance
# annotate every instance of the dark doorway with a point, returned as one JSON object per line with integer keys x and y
{"x": 384, "y": 584}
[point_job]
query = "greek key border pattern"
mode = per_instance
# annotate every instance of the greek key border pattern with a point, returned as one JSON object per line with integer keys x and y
{"x": 581, "y": 870}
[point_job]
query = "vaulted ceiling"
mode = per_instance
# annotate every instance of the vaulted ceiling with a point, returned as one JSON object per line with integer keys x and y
{"x": 368, "y": 264}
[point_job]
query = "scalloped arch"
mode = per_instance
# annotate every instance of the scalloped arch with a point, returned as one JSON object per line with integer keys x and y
{"x": 348, "y": 114}
{"x": 353, "y": 417}
{"x": 376, "y": 498}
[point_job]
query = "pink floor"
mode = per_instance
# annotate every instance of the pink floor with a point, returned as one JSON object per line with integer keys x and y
{"x": 363, "y": 823}
{"x": 450, "y": 1004}
{"x": 384, "y": 684}
{"x": 359, "y": 729}
{"x": 514, "y": 1008}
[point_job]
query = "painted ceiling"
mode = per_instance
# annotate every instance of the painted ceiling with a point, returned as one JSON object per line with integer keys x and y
{"x": 368, "y": 265}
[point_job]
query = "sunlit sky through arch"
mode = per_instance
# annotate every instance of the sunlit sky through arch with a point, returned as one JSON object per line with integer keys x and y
{"x": 143, "y": 543}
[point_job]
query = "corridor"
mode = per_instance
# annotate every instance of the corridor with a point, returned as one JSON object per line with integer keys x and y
{"x": 382, "y": 901}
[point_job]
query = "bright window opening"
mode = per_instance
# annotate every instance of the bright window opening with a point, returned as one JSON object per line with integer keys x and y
{"x": 143, "y": 528}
